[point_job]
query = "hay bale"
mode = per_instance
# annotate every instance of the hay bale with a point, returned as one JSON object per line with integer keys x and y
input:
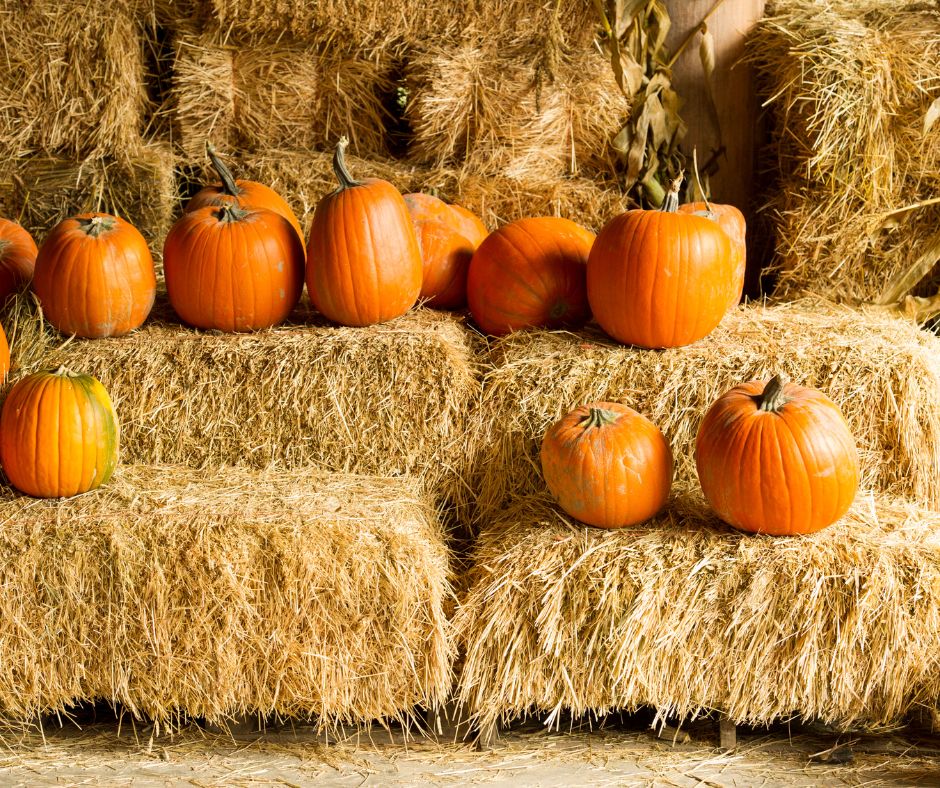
{"x": 141, "y": 189}
{"x": 391, "y": 399}
{"x": 30, "y": 338}
{"x": 686, "y": 615}
{"x": 223, "y": 593}
{"x": 513, "y": 113}
{"x": 851, "y": 84}
{"x": 883, "y": 372}
{"x": 71, "y": 79}
{"x": 278, "y": 94}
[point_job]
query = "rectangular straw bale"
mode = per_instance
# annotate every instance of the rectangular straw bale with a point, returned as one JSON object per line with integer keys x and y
{"x": 227, "y": 592}
{"x": 141, "y": 189}
{"x": 882, "y": 372}
{"x": 257, "y": 96}
{"x": 851, "y": 85}
{"x": 72, "y": 79}
{"x": 686, "y": 615}
{"x": 390, "y": 399}
{"x": 521, "y": 113}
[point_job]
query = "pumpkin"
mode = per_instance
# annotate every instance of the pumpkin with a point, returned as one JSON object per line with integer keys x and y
{"x": 731, "y": 220}
{"x": 776, "y": 458}
{"x": 233, "y": 269}
{"x": 17, "y": 258}
{"x": 607, "y": 465}
{"x": 58, "y": 434}
{"x": 661, "y": 278}
{"x": 246, "y": 194}
{"x": 363, "y": 261}
{"x": 530, "y": 274}
{"x": 94, "y": 276}
{"x": 4, "y": 356}
{"x": 447, "y": 238}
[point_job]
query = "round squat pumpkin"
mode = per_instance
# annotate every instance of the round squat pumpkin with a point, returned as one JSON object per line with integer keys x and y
{"x": 776, "y": 458}
{"x": 731, "y": 220}
{"x": 245, "y": 194}
{"x": 17, "y": 258}
{"x": 530, "y": 274}
{"x": 447, "y": 236}
{"x": 233, "y": 269}
{"x": 363, "y": 261}
{"x": 4, "y": 356}
{"x": 607, "y": 465}
{"x": 661, "y": 278}
{"x": 94, "y": 276}
{"x": 58, "y": 434}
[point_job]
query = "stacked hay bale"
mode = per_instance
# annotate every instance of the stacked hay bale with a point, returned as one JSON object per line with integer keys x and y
{"x": 77, "y": 115}
{"x": 855, "y": 91}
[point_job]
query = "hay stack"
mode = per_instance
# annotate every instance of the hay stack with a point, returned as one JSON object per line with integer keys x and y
{"x": 883, "y": 372}
{"x": 391, "y": 399}
{"x": 71, "y": 79}
{"x": 141, "y": 189}
{"x": 225, "y": 593}
{"x": 278, "y": 94}
{"x": 513, "y": 113}
{"x": 851, "y": 84}
{"x": 686, "y": 615}
{"x": 30, "y": 338}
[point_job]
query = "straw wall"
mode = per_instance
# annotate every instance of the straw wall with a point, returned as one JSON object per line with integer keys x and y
{"x": 225, "y": 593}
{"x": 686, "y": 615}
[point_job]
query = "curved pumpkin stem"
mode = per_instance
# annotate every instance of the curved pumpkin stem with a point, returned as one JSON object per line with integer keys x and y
{"x": 773, "y": 398}
{"x": 599, "y": 417}
{"x": 96, "y": 225}
{"x": 671, "y": 203}
{"x": 346, "y": 181}
{"x": 229, "y": 186}
{"x": 230, "y": 212}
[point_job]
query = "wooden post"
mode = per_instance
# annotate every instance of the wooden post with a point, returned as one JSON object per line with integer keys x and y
{"x": 727, "y": 734}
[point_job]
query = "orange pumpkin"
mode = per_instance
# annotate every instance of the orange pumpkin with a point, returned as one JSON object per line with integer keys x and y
{"x": 660, "y": 279}
{"x": 363, "y": 261}
{"x": 17, "y": 258}
{"x": 94, "y": 276}
{"x": 246, "y": 194}
{"x": 59, "y": 435}
{"x": 776, "y": 458}
{"x": 731, "y": 220}
{"x": 233, "y": 269}
{"x": 530, "y": 274}
{"x": 447, "y": 238}
{"x": 4, "y": 356}
{"x": 607, "y": 465}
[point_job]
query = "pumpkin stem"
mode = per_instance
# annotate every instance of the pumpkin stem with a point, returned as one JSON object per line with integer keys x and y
{"x": 773, "y": 398}
{"x": 229, "y": 186}
{"x": 346, "y": 180}
{"x": 65, "y": 372}
{"x": 671, "y": 203}
{"x": 230, "y": 212}
{"x": 96, "y": 225}
{"x": 599, "y": 417}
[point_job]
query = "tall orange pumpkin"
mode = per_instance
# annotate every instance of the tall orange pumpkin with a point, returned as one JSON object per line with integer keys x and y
{"x": 59, "y": 435}
{"x": 530, "y": 274}
{"x": 245, "y": 194}
{"x": 4, "y": 356}
{"x": 661, "y": 278}
{"x": 94, "y": 276}
{"x": 233, "y": 269}
{"x": 776, "y": 458}
{"x": 607, "y": 465}
{"x": 17, "y": 258}
{"x": 363, "y": 261}
{"x": 731, "y": 220}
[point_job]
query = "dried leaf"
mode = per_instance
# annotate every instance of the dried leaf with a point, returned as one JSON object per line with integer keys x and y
{"x": 706, "y": 52}
{"x": 621, "y": 143}
{"x": 638, "y": 148}
{"x": 633, "y": 74}
{"x": 625, "y": 13}
{"x": 933, "y": 113}
{"x": 903, "y": 282}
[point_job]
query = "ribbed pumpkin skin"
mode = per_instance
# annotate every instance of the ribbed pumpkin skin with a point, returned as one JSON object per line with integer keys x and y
{"x": 251, "y": 194}
{"x": 91, "y": 286}
{"x": 794, "y": 471}
{"x": 58, "y": 435}
{"x": 658, "y": 279}
{"x": 470, "y": 225}
{"x": 731, "y": 220}
{"x": 4, "y": 356}
{"x": 363, "y": 261}
{"x": 609, "y": 475}
{"x": 17, "y": 258}
{"x": 530, "y": 274}
{"x": 240, "y": 271}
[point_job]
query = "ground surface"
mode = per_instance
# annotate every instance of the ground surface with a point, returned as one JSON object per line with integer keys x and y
{"x": 621, "y": 754}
